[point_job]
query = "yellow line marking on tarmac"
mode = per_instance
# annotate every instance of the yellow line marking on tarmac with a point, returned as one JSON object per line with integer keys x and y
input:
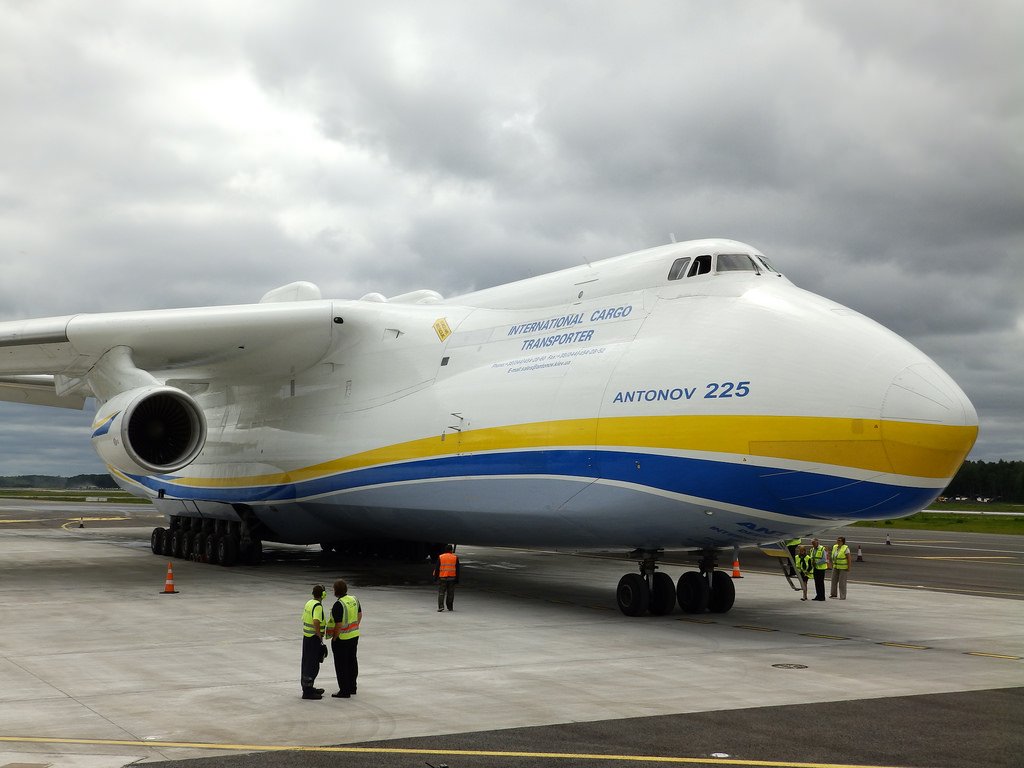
{"x": 912, "y": 541}
{"x": 443, "y": 752}
{"x": 992, "y": 655}
{"x": 696, "y": 621}
{"x": 755, "y": 629}
{"x": 79, "y": 520}
{"x": 825, "y": 637}
{"x": 907, "y": 645}
{"x": 36, "y": 520}
{"x": 887, "y": 556}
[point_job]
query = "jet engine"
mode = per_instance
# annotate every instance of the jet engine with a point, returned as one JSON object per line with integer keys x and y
{"x": 149, "y": 431}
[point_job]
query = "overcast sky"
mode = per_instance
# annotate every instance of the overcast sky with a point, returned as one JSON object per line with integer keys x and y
{"x": 161, "y": 154}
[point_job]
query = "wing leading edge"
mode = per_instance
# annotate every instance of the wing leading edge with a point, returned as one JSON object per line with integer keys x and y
{"x": 251, "y": 341}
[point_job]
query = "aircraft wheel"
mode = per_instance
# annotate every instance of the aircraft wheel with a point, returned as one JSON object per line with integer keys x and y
{"x": 156, "y": 541}
{"x": 210, "y": 548}
{"x": 663, "y": 595}
{"x": 227, "y": 549}
{"x": 188, "y": 544}
{"x": 633, "y": 595}
{"x": 692, "y": 592}
{"x": 723, "y": 592}
{"x": 198, "y": 550}
{"x": 178, "y": 543}
{"x": 165, "y": 544}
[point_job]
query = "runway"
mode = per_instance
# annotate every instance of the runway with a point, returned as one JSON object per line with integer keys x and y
{"x": 535, "y": 667}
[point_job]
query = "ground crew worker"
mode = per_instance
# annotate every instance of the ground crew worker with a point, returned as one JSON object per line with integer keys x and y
{"x": 447, "y": 576}
{"x": 313, "y": 648}
{"x": 805, "y": 567}
{"x": 343, "y": 629}
{"x": 819, "y": 556}
{"x": 840, "y": 567}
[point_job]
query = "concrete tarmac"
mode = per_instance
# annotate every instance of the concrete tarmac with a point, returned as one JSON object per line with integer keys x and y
{"x": 99, "y": 669}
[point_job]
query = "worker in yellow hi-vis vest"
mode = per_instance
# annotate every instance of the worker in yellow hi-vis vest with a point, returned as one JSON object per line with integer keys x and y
{"x": 820, "y": 557}
{"x": 313, "y": 649}
{"x": 343, "y": 629}
{"x": 840, "y": 567}
{"x": 805, "y": 567}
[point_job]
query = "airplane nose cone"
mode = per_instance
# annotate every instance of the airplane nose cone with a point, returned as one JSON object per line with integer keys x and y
{"x": 923, "y": 392}
{"x": 928, "y": 423}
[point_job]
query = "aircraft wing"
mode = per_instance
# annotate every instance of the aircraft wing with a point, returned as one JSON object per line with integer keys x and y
{"x": 37, "y": 390}
{"x": 48, "y": 361}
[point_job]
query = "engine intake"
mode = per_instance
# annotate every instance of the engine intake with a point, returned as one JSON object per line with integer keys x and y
{"x": 149, "y": 431}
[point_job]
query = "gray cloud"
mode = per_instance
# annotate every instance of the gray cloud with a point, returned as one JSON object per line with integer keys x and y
{"x": 171, "y": 155}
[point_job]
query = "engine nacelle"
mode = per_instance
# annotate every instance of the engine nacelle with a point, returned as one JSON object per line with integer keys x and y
{"x": 149, "y": 431}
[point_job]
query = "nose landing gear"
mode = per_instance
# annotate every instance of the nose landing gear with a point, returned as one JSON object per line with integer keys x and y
{"x": 696, "y": 591}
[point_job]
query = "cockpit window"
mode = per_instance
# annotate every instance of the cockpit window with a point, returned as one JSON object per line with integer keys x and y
{"x": 701, "y": 266}
{"x": 736, "y": 262}
{"x": 767, "y": 264}
{"x": 678, "y": 268}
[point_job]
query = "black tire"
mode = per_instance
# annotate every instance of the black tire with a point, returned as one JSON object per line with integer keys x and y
{"x": 663, "y": 595}
{"x": 188, "y": 544}
{"x": 633, "y": 595}
{"x": 198, "y": 550}
{"x": 227, "y": 550}
{"x": 693, "y": 592}
{"x": 177, "y": 543}
{"x": 723, "y": 592}
{"x": 156, "y": 541}
{"x": 165, "y": 544}
{"x": 210, "y": 548}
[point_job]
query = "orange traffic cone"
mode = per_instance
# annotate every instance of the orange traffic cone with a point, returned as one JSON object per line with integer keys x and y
{"x": 736, "y": 568}
{"x": 169, "y": 583}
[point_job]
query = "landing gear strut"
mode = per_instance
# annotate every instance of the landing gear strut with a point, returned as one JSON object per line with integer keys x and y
{"x": 696, "y": 591}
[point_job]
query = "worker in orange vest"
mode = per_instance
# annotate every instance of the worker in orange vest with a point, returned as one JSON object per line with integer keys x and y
{"x": 447, "y": 576}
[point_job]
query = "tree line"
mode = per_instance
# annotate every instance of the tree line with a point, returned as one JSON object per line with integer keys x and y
{"x": 54, "y": 483}
{"x": 996, "y": 480}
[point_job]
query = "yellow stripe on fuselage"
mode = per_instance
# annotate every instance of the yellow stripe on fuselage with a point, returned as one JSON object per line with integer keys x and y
{"x": 931, "y": 451}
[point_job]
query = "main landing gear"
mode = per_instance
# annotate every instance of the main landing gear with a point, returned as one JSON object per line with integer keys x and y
{"x": 222, "y": 542}
{"x": 651, "y": 591}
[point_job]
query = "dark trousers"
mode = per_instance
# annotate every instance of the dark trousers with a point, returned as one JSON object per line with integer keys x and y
{"x": 311, "y": 655}
{"x": 346, "y": 665}
{"x": 446, "y": 594}
{"x": 819, "y": 583}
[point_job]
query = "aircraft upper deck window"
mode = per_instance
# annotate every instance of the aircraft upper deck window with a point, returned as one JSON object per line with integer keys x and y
{"x": 736, "y": 262}
{"x": 678, "y": 268}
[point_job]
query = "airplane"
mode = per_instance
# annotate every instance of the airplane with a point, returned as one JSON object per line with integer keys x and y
{"x": 684, "y": 397}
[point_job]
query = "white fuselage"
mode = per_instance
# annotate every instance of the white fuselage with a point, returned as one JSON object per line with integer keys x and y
{"x": 599, "y": 406}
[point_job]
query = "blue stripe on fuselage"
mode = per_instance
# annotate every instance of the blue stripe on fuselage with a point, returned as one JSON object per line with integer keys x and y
{"x": 796, "y": 493}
